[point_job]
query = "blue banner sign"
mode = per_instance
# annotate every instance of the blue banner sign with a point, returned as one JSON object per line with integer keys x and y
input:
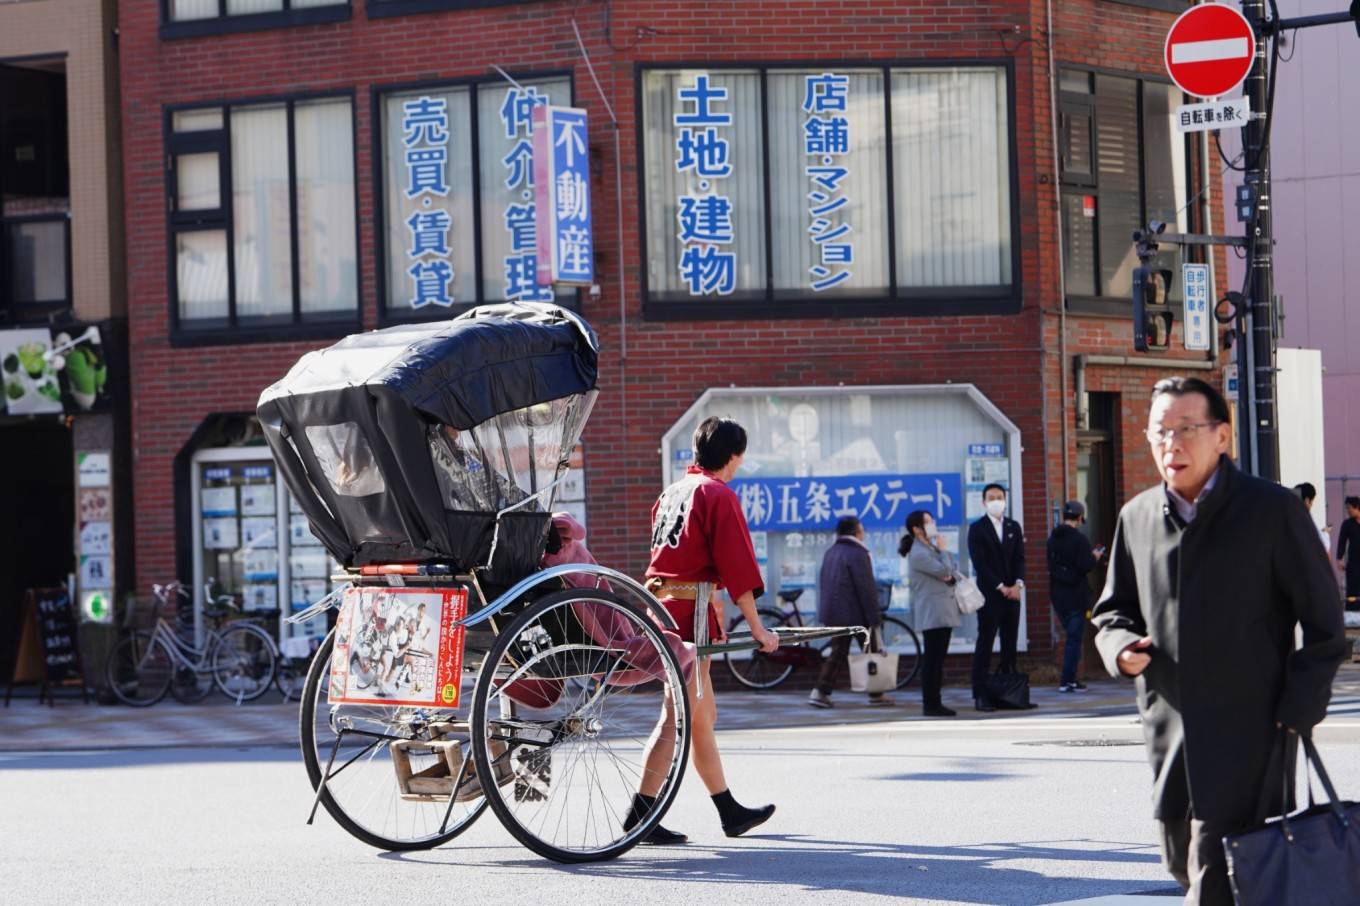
{"x": 986, "y": 450}
{"x": 878, "y": 501}
{"x": 562, "y": 196}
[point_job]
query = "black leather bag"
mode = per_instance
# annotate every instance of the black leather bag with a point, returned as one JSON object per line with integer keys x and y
{"x": 1009, "y": 691}
{"x": 1311, "y": 857}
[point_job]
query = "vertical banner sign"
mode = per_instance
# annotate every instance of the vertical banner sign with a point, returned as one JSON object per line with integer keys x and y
{"x": 826, "y": 138}
{"x": 521, "y": 265}
{"x": 1195, "y": 278}
{"x": 562, "y": 196}
{"x": 425, "y": 135}
{"x": 708, "y": 265}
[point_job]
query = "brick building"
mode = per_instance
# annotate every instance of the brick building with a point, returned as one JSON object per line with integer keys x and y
{"x": 271, "y": 185}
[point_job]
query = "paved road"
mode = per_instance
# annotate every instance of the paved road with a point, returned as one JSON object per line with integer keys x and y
{"x": 1045, "y": 807}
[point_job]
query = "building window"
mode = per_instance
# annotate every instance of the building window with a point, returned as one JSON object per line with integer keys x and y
{"x": 194, "y": 18}
{"x": 810, "y": 188}
{"x": 381, "y": 9}
{"x": 262, "y": 215}
{"x": 1122, "y": 164}
{"x": 457, "y": 196}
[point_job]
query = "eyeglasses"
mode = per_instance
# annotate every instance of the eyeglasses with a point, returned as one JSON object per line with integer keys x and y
{"x": 1160, "y": 436}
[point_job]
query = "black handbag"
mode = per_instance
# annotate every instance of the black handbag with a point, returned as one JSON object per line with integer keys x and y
{"x": 1311, "y": 857}
{"x": 1009, "y": 691}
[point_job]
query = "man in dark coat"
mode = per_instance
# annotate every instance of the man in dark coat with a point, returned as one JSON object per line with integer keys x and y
{"x": 846, "y": 596}
{"x": 1209, "y": 573}
{"x": 996, "y": 546}
{"x": 1070, "y": 559}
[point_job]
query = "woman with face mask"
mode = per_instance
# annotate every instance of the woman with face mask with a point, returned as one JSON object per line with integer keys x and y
{"x": 932, "y": 572}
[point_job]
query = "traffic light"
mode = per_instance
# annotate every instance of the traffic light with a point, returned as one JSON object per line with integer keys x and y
{"x": 1151, "y": 315}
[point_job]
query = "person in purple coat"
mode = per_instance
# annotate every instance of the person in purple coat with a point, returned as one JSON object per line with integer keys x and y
{"x": 846, "y": 596}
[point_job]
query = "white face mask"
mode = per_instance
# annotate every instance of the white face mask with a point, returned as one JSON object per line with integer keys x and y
{"x": 932, "y": 531}
{"x": 995, "y": 508}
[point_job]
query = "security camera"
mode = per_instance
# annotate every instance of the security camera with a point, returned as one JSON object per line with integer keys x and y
{"x": 1157, "y": 227}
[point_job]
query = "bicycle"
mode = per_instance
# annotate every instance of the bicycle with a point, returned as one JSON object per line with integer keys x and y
{"x": 766, "y": 671}
{"x": 239, "y": 660}
{"x": 291, "y": 673}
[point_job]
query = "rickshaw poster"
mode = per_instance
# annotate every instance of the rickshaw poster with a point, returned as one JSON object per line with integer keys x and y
{"x": 399, "y": 646}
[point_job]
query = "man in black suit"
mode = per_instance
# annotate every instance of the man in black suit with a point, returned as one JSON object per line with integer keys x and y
{"x": 996, "y": 545}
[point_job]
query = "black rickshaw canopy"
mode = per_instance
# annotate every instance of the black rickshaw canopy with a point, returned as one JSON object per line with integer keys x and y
{"x": 402, "y": 444}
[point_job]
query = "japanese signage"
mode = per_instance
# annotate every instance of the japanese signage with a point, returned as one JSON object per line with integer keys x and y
{"x": 399, "y": 647}
{"x": 1226, "y": 114}
{"x": 992, "y": 450}
{"x": 521, "y": 264}
{"x": 562, "y": 196}
{"x": 878, "y": 501}
{"x": 708, "y": 264}
{"x": 92, "y": 469}
{"x": 1195, "y": 280}
{"x": 425, "y": 137}
{"x": 826, "y": 138}
{"x": 57, "y": 629}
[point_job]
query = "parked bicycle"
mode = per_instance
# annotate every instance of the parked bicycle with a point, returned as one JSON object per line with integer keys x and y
{"x": 759, "y": 670}
{"x": 238, "y": 659}
{"x": 291, "y": 672}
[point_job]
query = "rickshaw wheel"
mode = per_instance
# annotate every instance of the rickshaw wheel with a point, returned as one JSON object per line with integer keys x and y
{"x": 363, "y": 793}
{"x": 570, "y": 760}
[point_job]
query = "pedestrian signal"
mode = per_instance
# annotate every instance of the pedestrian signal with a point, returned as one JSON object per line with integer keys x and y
{"x": 1152, "y": 316}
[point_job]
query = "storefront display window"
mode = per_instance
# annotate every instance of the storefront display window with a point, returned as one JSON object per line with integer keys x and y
{"x": 877, "y": 453}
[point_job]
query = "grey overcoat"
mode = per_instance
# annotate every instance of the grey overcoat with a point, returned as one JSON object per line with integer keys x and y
{"x": 932, "y": 600}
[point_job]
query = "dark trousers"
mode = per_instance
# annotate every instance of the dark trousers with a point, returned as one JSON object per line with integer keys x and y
{"x": 1192, "y": 850}
{"x": 1074, "y": 626}
{"x": 932, "y": 664}
{"x": 837, "y": 659}
{"x": 997, "y": 615}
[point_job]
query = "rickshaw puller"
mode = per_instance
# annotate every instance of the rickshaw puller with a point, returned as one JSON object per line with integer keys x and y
{"x": 701, "y": 543}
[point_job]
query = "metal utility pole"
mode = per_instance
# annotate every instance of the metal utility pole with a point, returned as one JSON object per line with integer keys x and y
{"x": 1265, "y": 459}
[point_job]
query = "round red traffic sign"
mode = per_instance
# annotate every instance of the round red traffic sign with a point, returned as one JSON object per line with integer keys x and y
{"x": 1209, "y": 50}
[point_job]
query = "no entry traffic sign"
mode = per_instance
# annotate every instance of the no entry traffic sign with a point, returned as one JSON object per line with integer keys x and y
{"x": 1209, "y": 50}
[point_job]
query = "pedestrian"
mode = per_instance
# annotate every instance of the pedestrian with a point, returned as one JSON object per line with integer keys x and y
{"x": 996, "y": 546}
{"x": 932, "y": 574}
{"x": 1348, "y": 552}
{"x": 1308, "y": 494}
{"x": 700, "y": 544}
{"x": 1209, "y": 573}
{"x": 1070, "y": 559}
{"x": 847, "y": 595}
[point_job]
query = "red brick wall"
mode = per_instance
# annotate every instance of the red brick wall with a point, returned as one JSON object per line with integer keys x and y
{"x": 665, "y": 366}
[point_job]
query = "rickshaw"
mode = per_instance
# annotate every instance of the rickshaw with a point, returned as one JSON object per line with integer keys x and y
{"x": 426, "y": 458}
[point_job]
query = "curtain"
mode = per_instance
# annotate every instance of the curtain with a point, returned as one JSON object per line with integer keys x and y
{"x": 201, "y": 274}
{"x": 184, "y": 10}
{"x": 246, "y": 7}
{"x": 495, "y": 146}
{"x": 398, "y": 209}
{"x": 324, "y": 152}
{"x": 745, "y": 188}
{"x": 262, "y": 239}
{"x": 1120, "y": 206}
{"x": 951, "y": 177}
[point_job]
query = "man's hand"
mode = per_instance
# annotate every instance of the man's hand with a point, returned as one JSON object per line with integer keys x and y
{"x": 1132, "y": 660}
{"x": 768, "y": 640}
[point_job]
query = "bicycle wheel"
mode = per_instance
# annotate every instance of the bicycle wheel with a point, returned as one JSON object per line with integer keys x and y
{"x": 291, "y": 676}
{"x": 139, "y": 670}
{"x": 243, "y": 662}
{"x": 567, "y": 764}
{"x": 364, "y": 793}
{"x": 756, "y": 669}
{"x": 900, "y": 638}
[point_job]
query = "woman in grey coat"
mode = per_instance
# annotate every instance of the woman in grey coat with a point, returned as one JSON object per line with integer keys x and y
{"x": 932, "y": 570}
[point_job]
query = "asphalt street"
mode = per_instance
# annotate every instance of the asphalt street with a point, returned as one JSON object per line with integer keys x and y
{"x": 1050, "y": 806}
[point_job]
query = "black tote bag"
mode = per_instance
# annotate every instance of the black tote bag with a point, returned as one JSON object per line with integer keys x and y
{"x": 1312, "y": 857}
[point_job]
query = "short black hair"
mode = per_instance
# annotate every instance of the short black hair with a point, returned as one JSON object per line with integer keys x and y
{"x": 1353, "y": 501}
{"x": 1305, "y": 490}
{"x": 1181, "y": 386}
{"x": 716, "y": 441}
{"x": 847, "y": 525}
{"x": 1000, "y": 488}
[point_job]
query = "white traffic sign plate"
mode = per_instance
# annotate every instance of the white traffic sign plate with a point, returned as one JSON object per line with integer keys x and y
{"x": 1230, "y": 113}
{"x": 1209, "y": 50}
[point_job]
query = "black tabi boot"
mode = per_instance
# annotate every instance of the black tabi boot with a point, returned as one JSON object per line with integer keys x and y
{"x": 659, "y": 835}
{"x": 737, "y": 819}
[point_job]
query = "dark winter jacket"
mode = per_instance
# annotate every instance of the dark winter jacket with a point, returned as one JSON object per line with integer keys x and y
{"x": 846, "y": 592}
{"x": 1070, "y": 559}
{"x": 1219, "y": 599}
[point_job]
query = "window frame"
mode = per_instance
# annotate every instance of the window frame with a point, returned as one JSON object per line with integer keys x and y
{"x": 378, "y": 93}
{"x": 223, "y": 24}
{"x": 385, "y": 9}
{"x": 40, "y": 311}
{"x": 1099, "y": 304}
{"x": 218, "y": 331}
{"x": 896, "y": 300}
